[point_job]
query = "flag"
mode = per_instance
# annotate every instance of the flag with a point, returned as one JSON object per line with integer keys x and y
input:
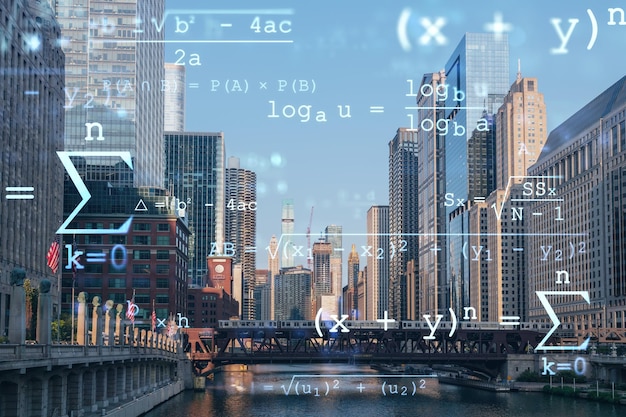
{"x": 153, "y": 318}
{"x": 53, "y": 255}
{"x": 131, "y": 309}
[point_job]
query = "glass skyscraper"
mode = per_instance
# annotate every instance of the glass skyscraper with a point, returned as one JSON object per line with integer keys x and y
{"x": 113, "y": 77}
{"x": 450, "y": 109}
{"x": 194, "y": 173}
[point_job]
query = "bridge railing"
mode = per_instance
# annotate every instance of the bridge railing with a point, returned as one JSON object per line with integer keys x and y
{"x": 9, "y": 352}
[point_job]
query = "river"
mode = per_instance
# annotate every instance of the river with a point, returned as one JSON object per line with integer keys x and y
{"x": 355, "y": 391}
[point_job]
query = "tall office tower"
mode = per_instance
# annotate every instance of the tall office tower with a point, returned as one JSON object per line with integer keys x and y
{"x": 353, "y": 280}
{"x": 481, "y": 169}
{"x": 585, "y": 161}
{"x": 113, "y": 77}
{"x": 322, "y": 287}
{"x": 431, "y": 196}
{"x": 174, "y": 98}
{"x": 287, "y": 230}
{"x": 240, "y": 229}
{"x": 481, "y": 160}
{"x": 293, "y": 294}
{"x": 262, "y": 298}
{"x": 377, "y": 279}
{"x": 450, "y": 106}
{"x": 31, "y": 110}
{"x": 403, "y": 201}
{"x": 194, "y": 173}
{"x": 521, "y": 131}
{"x": 334, "y": 235}
{"x": 274, "y": 269}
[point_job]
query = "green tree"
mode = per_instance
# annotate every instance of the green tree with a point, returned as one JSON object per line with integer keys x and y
{"x": 64, "y": 326}
{"x": 32, "y": 299}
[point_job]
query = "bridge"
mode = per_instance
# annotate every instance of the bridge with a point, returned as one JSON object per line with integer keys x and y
{"x": 71, "y": 380}
{"x": 481, "y": 350}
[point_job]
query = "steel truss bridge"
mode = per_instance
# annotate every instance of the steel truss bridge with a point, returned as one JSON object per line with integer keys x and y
{"x": 481, "y": 350}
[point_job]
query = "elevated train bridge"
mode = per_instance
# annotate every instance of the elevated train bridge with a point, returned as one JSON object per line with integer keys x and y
{"x": 479, "y": 346}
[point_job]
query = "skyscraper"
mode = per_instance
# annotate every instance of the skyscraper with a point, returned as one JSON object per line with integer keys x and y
{"x": 522, "y": 130}
{"x": 240, "y": 230}
{"x": 353, "y": 280}
{"x": 293, "y": 294}
{"x": 322, "y": 288}
{"x": 333, "y": 235}
{"x": 194, "y": 173}
{"x": 287, "y": 230}
{"x": 115, "y": 80}
{"x": 174, "y": 99}
{"x": 273, "y": 261}
{"x": 377, "y": 279}
{"x": 450, "y": 107}
{"x": 403, "y": 201}
{"x": 31, "y": 109}
{"x": 583, "y": 161}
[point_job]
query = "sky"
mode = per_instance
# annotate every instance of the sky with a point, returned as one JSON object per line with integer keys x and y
{"x": 339, "y": 58}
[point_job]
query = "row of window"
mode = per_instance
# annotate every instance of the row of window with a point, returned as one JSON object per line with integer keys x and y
{"x": 91, "y": 282}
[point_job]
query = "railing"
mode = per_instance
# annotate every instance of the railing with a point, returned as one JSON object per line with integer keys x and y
{"x": 11, "y": 353}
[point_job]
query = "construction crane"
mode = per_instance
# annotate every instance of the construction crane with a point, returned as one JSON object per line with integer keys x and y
{"x": 308, "y": 240}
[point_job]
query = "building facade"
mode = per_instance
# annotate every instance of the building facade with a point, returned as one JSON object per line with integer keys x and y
{"x": 584, "y": 166}
{"x": 450, "y": 107}
{"x": 32, "y": 114}
{"x": 148, "y": 262}
{"x": 403, "y": 216}
{"x": 377, "y": 279}
{"x": 194, "y": 172}
{"x": 115, "y": 80}
{"x": 240, "y": 231}
{"x": 293, "y": 294}
{"x": 174, "y": 98}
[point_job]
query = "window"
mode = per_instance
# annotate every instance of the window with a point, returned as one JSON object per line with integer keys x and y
{"x": 141, "y": 282}
{"x": 144, "y": 227}
{"x": 91, "y": 268}
{"x": 93, "y": 239}
{"x": 162, "y": 283}
{"x": 142, "y": 298}
{"x": 163, "y": 269}
{"x": 117, "y": 282}
{"x": 141, "y": 268}
{"x": 163, "y": 240}
{"x": 117, "y": 297}
{"x": 141, "y": 254}
{"x": 163, "y": 227}
{"x": 163, "y": 255}
{"x": 141, "y": 240}
{"x": 93, "y": 282}
{"x": 162, "y": 298}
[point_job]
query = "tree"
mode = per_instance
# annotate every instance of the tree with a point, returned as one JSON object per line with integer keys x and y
{"x": 32, "y": 299}
{"x": 64, "y": 326}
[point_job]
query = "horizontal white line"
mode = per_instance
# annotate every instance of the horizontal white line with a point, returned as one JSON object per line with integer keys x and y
{"x": 537, "y": 214}
{"x": 518, "y": 249}
{"x": 31, "y": 93}
{"x": 208, "y": 205}
{"x": 20, "y": 197}
{"x": 537, "y": 199}
{"x": 198, "y": 41}
{"x": 444, "y": 108}
{"x": 226, "y": 25}
{"x": 20, "y": 189}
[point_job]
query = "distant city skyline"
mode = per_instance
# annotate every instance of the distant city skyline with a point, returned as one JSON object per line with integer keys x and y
{"x": 340, "y": 166}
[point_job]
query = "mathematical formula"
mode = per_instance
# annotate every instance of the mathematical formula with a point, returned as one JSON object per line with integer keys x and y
{"x": 365, "y": 384}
